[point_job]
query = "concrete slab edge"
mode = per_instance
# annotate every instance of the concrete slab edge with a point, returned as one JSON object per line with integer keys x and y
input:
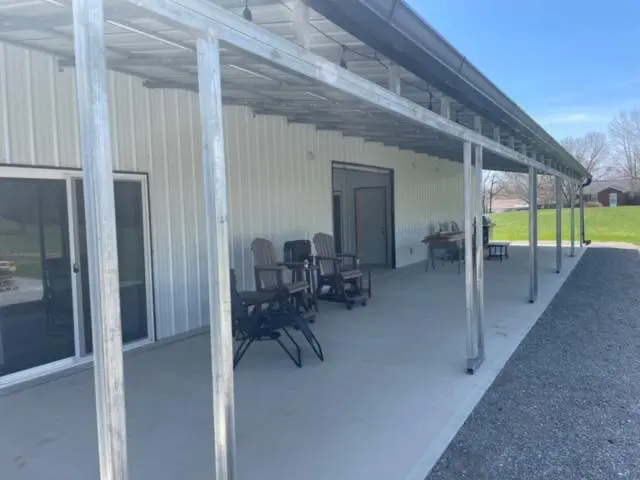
{"x": 481, "y": 383}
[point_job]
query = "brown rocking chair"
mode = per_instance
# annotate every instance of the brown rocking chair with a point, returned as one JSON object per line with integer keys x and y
{"x": 340, "y": 273}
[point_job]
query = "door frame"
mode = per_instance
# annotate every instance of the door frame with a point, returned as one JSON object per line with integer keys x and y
{"x": 386, "y": 221}
{"x": 68, "y": 175}
{"x": 335, "y": 194}
{"x": 392, "y": 195}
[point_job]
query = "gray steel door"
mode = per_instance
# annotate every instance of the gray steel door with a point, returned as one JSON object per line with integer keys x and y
{"x": 371, "y": 224}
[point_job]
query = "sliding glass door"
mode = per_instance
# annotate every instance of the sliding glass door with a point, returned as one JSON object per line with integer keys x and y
{"x": 131, "y": 261}
{"x": 36, "y": 299}
{"x": 45, "y": 316}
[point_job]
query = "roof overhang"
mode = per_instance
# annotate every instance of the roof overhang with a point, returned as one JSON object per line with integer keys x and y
{"x": 265, "y": 71}
{"x": 396, "y": 31}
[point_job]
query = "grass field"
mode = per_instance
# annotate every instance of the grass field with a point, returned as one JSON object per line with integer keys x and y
{"x": 620, "y": 224}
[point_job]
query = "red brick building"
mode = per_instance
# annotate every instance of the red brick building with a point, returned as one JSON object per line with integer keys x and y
{"x": 626, "y": 190}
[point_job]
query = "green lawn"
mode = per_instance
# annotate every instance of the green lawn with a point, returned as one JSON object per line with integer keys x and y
{"x": 620, "y": 224}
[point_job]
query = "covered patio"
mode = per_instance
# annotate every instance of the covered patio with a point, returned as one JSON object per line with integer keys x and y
{"x": 393, "y": 390}
{"x": 384, "y": 405}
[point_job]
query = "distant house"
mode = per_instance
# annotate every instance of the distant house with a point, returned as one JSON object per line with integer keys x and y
{"x": 505, "y": 204}
{"x": 626, "y": 190}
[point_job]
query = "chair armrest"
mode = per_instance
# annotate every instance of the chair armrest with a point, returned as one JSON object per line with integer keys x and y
{"x": 294, "y": 265}
{"x": 270, "y": 268}
{"x": 353, "y": 258}
{"x": 333, "y": 259}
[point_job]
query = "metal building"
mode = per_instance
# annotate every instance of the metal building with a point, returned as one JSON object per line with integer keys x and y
{"x": 137, "y": 189}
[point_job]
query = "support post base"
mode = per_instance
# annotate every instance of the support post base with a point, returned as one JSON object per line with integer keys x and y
{"x": 473, "y": 364}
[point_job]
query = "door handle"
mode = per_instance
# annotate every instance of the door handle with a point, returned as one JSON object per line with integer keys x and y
{"x": 75, "y": 268}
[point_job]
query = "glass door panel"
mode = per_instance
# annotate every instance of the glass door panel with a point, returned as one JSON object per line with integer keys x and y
{"x": 36, "y": 299}
{"x": 131, "y": 260}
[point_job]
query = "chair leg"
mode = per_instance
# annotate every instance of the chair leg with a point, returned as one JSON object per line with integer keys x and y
{"x": 311, "y": 338}
{"x": 341, "y": 291}
{"x": 297, "y": 359}
{"x": 242, "y": 349}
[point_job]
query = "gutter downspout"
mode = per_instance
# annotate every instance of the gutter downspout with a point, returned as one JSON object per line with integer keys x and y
{"x": 583, "y": 238}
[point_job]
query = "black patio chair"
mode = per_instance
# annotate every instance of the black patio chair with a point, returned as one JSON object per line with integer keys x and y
{"x": 299, "y": 252}
{"x": 251, "y": 323}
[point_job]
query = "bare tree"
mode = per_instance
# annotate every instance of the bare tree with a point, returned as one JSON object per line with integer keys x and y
{"x": 593, "y": 152}
{"x": 493, "y": 185}
{"x": 516, "y": 185}
{"x": 624, "y": 131}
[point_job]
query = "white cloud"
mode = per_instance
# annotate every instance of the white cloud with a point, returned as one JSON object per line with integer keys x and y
{"x": 574, "y": 117}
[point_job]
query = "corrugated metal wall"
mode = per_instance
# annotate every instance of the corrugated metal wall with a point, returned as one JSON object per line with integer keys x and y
{"x": 279, "y": 173}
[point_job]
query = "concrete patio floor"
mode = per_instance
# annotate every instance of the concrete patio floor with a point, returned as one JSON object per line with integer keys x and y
{"x": 384, "y": 405}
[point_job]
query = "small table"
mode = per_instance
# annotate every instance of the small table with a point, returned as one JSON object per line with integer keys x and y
{"x": 310, "y": 270}
{"x": 498, "y": 250}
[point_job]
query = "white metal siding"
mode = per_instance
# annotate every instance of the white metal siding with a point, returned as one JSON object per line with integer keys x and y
{"x": 279, "y": 173}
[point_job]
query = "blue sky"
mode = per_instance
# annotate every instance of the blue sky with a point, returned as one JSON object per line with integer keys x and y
{"x": 570, "y": 64}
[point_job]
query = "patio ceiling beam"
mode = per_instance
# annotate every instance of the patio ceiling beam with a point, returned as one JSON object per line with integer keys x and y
{"x": 202, "y": 16}
{"x": 115, "y": 50}
{"x": 166, "y": 84}
{"x": 19, "y": 23}
{"x": 395, "y": 83}
{"x": 301, "y": 23}
{"x": 496, "y": 134}
{"x": 65, "y": 60}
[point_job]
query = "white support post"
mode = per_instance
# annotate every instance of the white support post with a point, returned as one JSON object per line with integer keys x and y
{"x": 395, "y": 85}
{"x": 533, "y": 234}
{"x": 216, "y": 225}
{"x": 301, "y": 23}
{"x": 558, "y": 224}
{"x": 445, "y": 107}
{"x": 479, "y": 260}
{"x": 511, "y": 143}
{"x": 470, "y": 284}
{"x": 102, "y": 245}
{"x": 582, "y": 239}
{"x": 572, "y": 188}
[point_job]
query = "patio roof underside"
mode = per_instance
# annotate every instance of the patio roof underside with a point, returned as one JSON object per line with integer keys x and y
{"x": 140, "y": 44}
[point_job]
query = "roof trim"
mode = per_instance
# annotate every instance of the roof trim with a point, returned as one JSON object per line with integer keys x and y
{"x": 398, "y": 32}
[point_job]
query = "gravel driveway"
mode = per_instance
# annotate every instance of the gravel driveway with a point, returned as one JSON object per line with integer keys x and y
{"x": 567, "y": 404}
